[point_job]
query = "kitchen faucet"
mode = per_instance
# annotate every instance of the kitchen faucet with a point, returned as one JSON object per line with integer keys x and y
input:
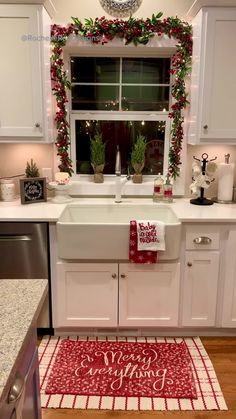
{"x": 119, "y": 181}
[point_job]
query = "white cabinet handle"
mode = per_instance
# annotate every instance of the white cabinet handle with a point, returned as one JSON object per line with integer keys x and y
{"x": 202, "y": 240}
{"x": 123, "y": 276}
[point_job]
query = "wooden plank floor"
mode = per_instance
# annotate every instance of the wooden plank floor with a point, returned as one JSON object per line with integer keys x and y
{"x": 222, "y": 352}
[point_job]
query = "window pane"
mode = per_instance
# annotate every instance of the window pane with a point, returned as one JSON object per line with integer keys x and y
{"x": 95, "y": 98}
{"x": 146, "y": 70}
{"x": 95, "y": 70}
{"x": 144, "y": 98}
{"x": 122, "y": 133}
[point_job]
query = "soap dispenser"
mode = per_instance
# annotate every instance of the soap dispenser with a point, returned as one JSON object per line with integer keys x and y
{"x": 168, "y": 191}
{"x": 158, "y": 188}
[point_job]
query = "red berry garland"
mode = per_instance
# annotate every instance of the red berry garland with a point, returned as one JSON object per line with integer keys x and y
{"x": 138, "y": 31}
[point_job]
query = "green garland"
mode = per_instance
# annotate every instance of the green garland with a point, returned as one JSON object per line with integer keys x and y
{"x": 137, "y": 31}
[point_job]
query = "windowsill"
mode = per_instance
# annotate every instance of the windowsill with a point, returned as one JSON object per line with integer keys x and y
{"x": 85, "y": 186}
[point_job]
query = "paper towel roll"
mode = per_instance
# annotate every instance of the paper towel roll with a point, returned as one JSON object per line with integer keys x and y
{"x": 225, "y": 182}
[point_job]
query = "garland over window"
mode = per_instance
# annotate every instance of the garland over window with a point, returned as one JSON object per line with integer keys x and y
{"x": 137, "y": 31}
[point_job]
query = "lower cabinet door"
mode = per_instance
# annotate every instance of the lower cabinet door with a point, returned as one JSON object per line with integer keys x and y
{"x": 87, "y": 295}
{"x": 200, "y": 288}
{"x": 229, "y": 298}
{"x": 149, "y": 294}
{"x": 31, "y": 408}
{"x": 24, "y": 386}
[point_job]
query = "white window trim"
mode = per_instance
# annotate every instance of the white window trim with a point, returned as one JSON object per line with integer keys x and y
{"x": 119, "y": 116}
{"x": 157, "y": 47}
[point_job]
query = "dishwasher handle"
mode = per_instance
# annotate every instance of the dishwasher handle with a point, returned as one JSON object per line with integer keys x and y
{"x": 15, "y": 237}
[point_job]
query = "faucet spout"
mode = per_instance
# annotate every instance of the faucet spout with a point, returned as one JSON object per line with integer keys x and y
{"x": 118, "y": 162}
{"x": 119, "y": 182}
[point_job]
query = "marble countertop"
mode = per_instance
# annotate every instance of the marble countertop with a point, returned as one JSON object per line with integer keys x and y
{"x": 186, "y": 212}
{"x": 20, "y": 304}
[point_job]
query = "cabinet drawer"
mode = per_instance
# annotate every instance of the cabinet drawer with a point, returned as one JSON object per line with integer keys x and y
{"x": 202, "y": 237}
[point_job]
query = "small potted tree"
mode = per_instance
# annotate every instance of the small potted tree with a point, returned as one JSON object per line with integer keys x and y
{"x": 97, "y": 157}
{"x": 31, "y": 169}
{"x": 138, "y": 158}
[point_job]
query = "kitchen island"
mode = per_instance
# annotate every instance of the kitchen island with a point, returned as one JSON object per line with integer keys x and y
{"x": 20, "y": 305}
{"x": 200, "y": 289}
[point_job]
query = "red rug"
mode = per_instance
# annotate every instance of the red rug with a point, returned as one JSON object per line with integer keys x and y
{"x": 127, "y": 369}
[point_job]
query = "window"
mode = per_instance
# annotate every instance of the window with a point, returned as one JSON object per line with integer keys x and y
{"x": 121, "y": 97}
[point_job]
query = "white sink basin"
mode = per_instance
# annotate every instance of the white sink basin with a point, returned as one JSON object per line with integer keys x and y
{"x": 101, "y": 231}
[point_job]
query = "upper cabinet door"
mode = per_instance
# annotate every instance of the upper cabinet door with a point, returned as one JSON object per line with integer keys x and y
{"x": 213, "y": 86}
{"x": 22, "y": 73}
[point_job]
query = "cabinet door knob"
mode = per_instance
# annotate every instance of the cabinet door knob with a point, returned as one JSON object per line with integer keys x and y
{"x": 123, "y": 276}
{"x": 205, "y": 126}
{"x": 202, "y": 240}
{"x": 189, "y": 264}
{"x": 113, "y": 275}
{"x": 37, "y": 125}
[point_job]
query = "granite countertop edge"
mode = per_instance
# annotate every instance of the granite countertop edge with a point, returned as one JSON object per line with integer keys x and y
{"x": 17, "y": 323}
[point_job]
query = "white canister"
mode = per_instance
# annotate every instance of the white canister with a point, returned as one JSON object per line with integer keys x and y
{"x": 8, "y": 189}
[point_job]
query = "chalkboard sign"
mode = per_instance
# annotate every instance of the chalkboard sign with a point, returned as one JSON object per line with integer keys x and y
{"x": 33, "y": 190}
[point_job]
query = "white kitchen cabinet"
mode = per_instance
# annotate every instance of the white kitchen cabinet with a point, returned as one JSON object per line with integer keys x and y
{"x": 201, "y": 275}
{"x": 213, "y": 86}
{"x": 87, "y": 295}
{"x": 149, "y": 294}
{"x": 200, "y": 284}
{"x": 229, "y": 298}
{"x": 25, "y": 100}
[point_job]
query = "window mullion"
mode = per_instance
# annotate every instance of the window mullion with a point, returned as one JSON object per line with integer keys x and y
{"x": 120, "y": 87}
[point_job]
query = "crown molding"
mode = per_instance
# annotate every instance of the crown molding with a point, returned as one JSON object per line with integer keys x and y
{"x": 198, "y": 4}
{"x": 48, "y": 4}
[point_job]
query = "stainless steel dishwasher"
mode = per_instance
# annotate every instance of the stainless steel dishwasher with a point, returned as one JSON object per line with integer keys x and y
{"x": 24, "y": 254}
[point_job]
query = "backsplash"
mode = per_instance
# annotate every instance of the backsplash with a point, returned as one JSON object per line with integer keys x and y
{"x": 13, "y": 158}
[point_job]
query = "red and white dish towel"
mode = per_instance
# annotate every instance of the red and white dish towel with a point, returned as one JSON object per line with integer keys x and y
{"x": 146, "y": 238}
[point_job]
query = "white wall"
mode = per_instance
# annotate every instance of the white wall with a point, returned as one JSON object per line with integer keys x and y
{"x": 92, "y": 8}
{"x": 13, "y": 157}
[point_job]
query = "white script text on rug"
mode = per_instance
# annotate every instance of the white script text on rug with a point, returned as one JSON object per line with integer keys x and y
{"x": 209, "y": 395}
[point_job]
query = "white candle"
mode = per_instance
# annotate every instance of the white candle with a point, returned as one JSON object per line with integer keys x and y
{"x": 62, "y": 177}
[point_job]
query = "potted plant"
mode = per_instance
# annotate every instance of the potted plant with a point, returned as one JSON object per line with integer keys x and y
{"x": 138, "y": 158}
{"x": 97, "y": 156}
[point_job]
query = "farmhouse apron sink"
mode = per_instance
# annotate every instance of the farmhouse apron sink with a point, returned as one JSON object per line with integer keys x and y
{"x": 101, "y": 231}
